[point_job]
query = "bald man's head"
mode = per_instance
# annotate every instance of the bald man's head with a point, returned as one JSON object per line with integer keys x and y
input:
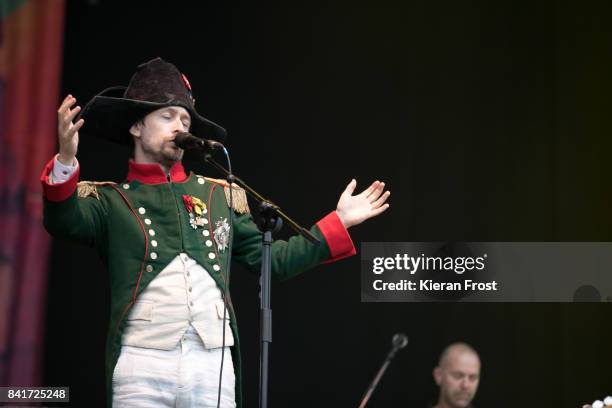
{"x": 457, "y": 375}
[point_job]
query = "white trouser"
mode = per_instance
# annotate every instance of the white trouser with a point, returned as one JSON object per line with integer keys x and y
{"x": 187, "y": 376}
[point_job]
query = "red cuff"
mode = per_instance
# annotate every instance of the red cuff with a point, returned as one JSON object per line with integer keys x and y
{"x": 337, "y": 237}
{"x": 59, "y": 191}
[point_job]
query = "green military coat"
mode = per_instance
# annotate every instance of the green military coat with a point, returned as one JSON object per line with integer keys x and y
{"x": 139, "y": 226}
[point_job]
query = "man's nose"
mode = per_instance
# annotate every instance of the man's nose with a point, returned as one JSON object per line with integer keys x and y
{"x": 178, "y": 126}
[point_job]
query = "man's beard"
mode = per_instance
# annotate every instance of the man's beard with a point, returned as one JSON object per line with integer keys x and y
{"x": 167, "y": 155}
{"x": 467, "y": 396}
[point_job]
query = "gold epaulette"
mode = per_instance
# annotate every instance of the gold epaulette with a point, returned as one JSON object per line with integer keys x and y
{"x": 89, "y": 188}
{"x": 241, "y": 205}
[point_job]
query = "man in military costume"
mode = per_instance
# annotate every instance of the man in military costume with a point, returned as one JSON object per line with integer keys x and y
{"x": 164, "y": 236}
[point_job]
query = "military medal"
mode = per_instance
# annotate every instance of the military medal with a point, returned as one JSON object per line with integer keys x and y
{"x": 221, "y": 234}
{"x": 196, "y": 209}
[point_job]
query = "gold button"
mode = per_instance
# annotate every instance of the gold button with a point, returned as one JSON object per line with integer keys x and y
{"x": 149, "y": 268}
{"x": 209, "y": 243}
{"x": 126, "y": 186}
{"x": 205, "y": 232}
{"x": 216, "y": 267}
{"x": 147, "y": 221}
{"x": 152, "y": 232}
{"x": 141, "y": 210}
{"x": 153, "y": 255}
{"x": 212, "y": 255}
{"x": 201, "y": 180}
{"x": 154, "y": 243}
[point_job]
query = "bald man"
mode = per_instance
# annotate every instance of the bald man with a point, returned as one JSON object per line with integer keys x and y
{"x": 457, "y": 376}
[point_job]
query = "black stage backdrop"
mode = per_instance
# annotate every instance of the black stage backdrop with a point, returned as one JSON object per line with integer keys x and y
{"x": 488, "y": 121}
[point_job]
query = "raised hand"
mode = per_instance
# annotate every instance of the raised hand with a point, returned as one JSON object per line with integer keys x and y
{"x": 68, "y": 132}
{"x": 355, "y": 209}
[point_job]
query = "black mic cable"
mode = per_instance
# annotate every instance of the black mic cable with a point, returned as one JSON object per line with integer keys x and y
{"x": 226, "y": 275}
{"x": 187, "y": 141}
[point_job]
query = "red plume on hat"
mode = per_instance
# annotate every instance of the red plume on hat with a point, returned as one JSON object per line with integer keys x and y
{"x": 156, "y": 84}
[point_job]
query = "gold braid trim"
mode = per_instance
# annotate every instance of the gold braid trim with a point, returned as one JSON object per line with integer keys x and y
{"x": 241, "y": 205}
{"x": 89, "y": 188}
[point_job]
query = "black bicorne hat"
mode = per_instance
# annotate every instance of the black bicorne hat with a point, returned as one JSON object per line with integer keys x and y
{"x": 156, "y": 84}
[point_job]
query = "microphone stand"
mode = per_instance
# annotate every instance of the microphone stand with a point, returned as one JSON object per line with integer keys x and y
{"x": 271, "y": 217}
{"x": 399, "y": 341}
{"x": 231, "y": 178}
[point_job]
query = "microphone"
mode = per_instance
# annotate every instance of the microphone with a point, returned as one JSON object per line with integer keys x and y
{"x": 187, "y": 141}
{"x": 399, "y": 341}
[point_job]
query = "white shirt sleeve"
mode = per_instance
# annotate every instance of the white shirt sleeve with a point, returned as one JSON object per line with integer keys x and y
{"x": 61, "y": 172}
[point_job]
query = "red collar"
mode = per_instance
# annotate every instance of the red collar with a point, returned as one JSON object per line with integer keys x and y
{"x": 153, "y": 173}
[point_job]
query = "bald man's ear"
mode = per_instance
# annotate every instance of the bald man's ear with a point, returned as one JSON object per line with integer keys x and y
{"x": 437, "y": 375}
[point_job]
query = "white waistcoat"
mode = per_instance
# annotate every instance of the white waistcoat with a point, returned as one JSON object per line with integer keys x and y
{"x": 183, "y": 293}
